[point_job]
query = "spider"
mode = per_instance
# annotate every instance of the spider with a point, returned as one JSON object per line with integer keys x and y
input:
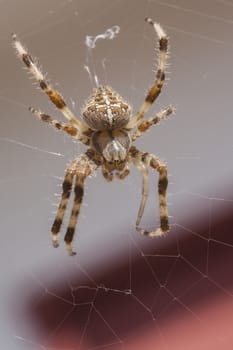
{"x": 108, "y": 129}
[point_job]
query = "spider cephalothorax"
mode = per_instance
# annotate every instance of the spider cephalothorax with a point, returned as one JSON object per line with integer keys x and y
{"x": 113, "y": 144}
{"x": 109, "y": 131}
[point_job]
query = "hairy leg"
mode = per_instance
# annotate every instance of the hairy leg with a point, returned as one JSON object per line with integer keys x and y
{"x": 143, "y": 161}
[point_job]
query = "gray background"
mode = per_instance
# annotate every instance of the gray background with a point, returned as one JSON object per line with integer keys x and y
{"x": 196, "y": 142}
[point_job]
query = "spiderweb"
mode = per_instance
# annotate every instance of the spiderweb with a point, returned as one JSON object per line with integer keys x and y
{"x": 121, "y": 290}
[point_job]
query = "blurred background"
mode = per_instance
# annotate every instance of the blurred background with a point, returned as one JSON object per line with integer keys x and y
{"x": 121, "y": 290}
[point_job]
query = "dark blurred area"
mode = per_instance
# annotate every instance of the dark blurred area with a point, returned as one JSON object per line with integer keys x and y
{"x": 180, "y": 280}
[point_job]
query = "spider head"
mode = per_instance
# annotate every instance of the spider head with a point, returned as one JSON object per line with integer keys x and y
{"x": 113, "y": 145}
{"x": 105, "y": 109}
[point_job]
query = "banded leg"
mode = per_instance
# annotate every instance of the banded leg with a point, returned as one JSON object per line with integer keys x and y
{"x": 161, "y": 167}
{"x": 68, "y": 128}
{"x": 146, "y": 124}
{"x": 79, "y": 191}
{"x": 53, "y": 95}
{"x": 82, "y": 167}
{"x": 142, "y": 161}
{"x": 156, "y": 88}
{"x": 66, "y": 190}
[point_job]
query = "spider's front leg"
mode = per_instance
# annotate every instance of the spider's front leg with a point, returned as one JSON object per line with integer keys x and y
{"x": 143, "y": 161}
{"x": 80, "y": 168}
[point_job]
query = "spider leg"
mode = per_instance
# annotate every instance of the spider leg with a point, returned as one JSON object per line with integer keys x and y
{"x": 146, "y": 124}
{"x": 156, "y": 88}
{"x": 79, "y": 191}
{"x": 66, "y": 190}
{"x": 81, "y": 168}
{"x": 66, "y": 127}
{"x": 142, "y": 161}
{"x": 53, "y": 95}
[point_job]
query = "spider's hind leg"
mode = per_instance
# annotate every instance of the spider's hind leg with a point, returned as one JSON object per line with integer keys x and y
{"x": 54, "y": 96}
{"x": 157, "y": 86}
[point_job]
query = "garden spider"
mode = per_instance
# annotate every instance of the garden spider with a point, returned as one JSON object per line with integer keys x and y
{"x": 109, "y": 131}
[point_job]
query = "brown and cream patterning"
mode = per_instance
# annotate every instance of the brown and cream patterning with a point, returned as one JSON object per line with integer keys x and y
{"x": 108, "y": 129}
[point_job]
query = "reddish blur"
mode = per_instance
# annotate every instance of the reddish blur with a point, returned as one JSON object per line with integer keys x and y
{"x": 173, "y": 304}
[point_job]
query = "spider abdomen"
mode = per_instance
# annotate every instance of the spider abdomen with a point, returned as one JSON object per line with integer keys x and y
{"x": 105, "y": 109}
